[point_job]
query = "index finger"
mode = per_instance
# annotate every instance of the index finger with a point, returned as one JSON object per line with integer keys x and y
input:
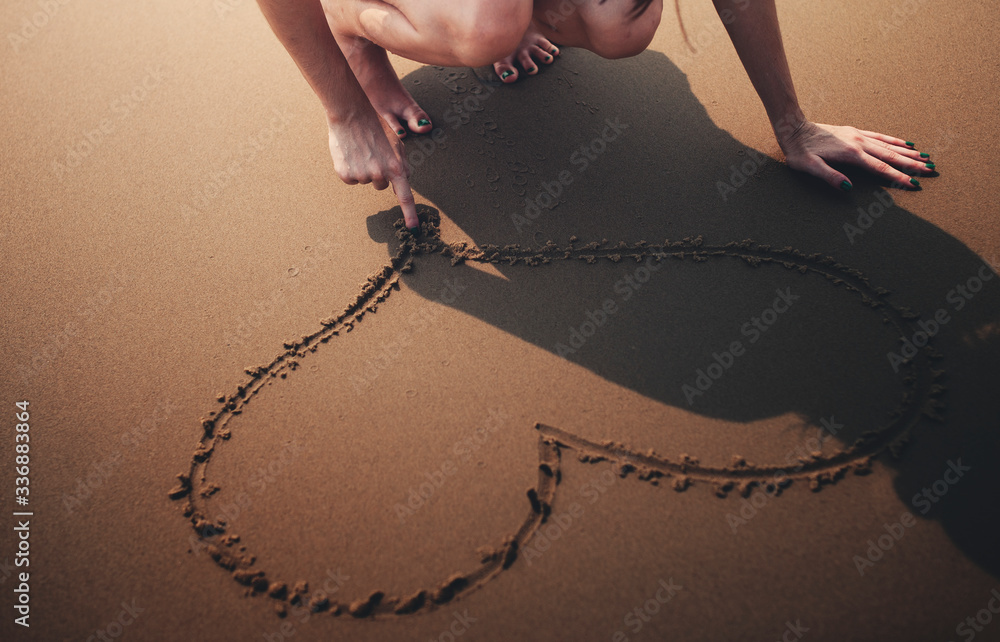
{"x": 401, "y": 187}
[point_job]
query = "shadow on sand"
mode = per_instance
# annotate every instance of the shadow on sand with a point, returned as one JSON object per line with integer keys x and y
{"x": 622, "y": 150}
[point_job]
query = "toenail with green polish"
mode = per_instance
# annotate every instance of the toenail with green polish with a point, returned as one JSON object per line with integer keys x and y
{"x": 930, "y": 165}
{"x": 531, "y": 70}
{"x": 924, "y": 155}
{"x": 915, "y": 182}
{"x": 548, "y": 58}
{"x": 423, "y": 122}
{"x": 505, "y": 74}
{"x": 910, "y": 144}
{"x": 845, "y": 186}
{"x": 555, "y": 50}
{"x": 400, "y": 132}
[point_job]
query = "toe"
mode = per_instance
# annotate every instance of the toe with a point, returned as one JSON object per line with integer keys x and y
{"x": 524, "y": 57}
{"x": 546, "y": 45}
{"x": 417, "y": 119}
{"x": 542, "y": 55}
{"x": 394, "y": 124}
{"x": 505, "y": 70}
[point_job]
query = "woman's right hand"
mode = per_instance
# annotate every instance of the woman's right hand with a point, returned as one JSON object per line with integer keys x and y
{"x": 364, "y": 151}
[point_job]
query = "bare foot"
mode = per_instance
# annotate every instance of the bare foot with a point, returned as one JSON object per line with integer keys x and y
{"x": 391, "y": 101}
{"x": 533, "y": 47}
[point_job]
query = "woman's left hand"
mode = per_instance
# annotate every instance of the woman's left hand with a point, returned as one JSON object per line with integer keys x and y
{"x": 811, "y": 146}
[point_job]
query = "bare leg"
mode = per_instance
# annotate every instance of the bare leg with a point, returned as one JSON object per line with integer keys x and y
{"x": 440, "y": 32}
{"x": 390, "y": 99}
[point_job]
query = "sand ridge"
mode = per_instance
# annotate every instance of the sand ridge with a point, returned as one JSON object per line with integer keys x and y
{"x": 922, "y": 397}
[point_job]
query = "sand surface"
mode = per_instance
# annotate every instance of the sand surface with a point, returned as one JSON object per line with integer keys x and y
{"x": 261, "y": 410}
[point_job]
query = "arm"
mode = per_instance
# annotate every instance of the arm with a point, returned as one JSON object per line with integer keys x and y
{"x": 753, "y": 28}
{"x": 363, "y": 150}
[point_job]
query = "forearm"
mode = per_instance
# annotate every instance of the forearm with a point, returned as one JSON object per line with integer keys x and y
{"x": 301, "y": 27}
{"x": 753, "y": 28}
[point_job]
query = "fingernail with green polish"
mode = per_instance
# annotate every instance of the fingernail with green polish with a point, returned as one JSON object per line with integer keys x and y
{"x": 414, "y": 230}
{"x": 914, "y": 182}
{"x": 423, "y": 122}
{"x": 505, "y": 74}
{"x": 924, "y": 155}
{"x": 909, "y": 144}
{"x": 930, "y": 165}
{"x": 845, "y": 186}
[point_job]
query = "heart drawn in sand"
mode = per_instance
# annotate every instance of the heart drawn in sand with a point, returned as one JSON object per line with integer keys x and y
{"x": 922, "y": 397}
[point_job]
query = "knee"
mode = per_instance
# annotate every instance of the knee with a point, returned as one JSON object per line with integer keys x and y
{"x": 485, "y": 31}
{"x": 624, "y": 36}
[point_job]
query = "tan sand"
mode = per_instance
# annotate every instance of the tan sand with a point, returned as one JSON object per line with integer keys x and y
{"x": 655, "y": 389}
